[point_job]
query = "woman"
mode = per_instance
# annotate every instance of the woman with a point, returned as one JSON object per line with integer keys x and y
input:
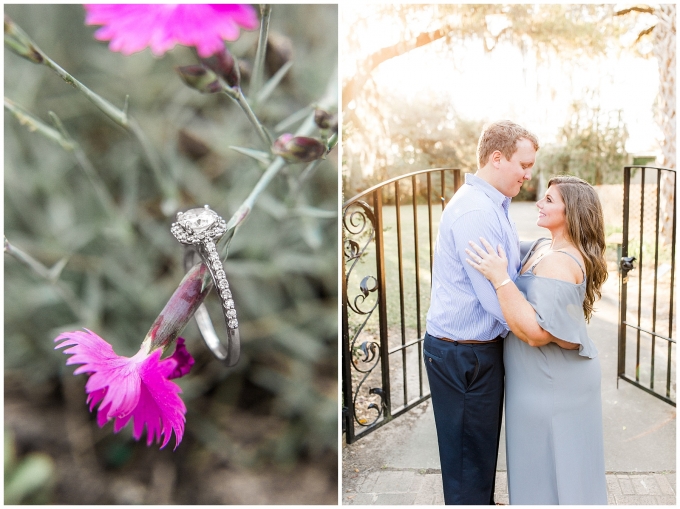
{"x": 553, "y": 405}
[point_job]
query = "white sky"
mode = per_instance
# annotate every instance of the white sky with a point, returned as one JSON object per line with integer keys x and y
{"x": 514, "y": 88}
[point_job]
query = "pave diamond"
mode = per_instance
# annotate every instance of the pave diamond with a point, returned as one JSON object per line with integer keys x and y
{"x": 225, "y": 295}
{"x": 210, "y": 246}
{"x": 233, "y": 323}
{"x": 231, "y": 313}
{"x": 217, "y": 265}
{"x": 229, "y": 304}
{"x": 199, "y": 220}
{"x": 220, "y": 274}
{"x": 214, "y": 256}
{"x": 223, "y": 284}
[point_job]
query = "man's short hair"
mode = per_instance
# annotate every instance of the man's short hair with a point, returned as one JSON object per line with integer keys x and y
{"x": 502, "y": 136}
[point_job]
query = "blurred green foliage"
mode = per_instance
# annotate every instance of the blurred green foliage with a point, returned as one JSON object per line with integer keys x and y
{"x": 29, "y": 479}
{"x": 121, "y": 268}
{"x": 590, "y": 145}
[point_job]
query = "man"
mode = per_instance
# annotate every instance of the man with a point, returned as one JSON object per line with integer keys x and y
{"x": 465, "y": 327}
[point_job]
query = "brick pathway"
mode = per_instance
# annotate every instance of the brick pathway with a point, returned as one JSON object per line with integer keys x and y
{"x": 424, "y": 487}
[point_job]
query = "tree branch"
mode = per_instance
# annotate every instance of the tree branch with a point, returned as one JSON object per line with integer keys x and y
{"x": 354, "y": 86}
{"x": 643, "y": 33}
{"x": 637, "y": 8}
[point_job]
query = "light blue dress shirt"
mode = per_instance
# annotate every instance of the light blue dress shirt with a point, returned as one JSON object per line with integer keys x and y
{"x": 463, "y": 302}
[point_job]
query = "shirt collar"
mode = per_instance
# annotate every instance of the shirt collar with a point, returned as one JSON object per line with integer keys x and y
{"x": 496, "y": 196}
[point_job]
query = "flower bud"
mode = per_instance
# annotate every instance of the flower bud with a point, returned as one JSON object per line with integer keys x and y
{"x": 298, "y": 149}
{"x": 224, "y": 65}
{"x": 325, "y": 120}
{"x": 199, "y": 78}
{"x": 181, "y": 307}
{"x": 17, "y": 40}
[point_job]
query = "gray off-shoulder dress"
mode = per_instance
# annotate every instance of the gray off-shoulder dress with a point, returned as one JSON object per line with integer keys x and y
{"x": 553, "y": 406}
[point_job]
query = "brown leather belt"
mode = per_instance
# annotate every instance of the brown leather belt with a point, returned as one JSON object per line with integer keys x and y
{"x": 472, "y": 341}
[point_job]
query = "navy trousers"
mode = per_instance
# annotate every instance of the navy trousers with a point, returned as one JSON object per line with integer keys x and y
{"x": 466, "y": 382}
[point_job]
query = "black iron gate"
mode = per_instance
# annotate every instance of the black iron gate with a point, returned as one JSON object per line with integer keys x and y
{"x": 386, "y": 269}
{"x": 647, "y": 332}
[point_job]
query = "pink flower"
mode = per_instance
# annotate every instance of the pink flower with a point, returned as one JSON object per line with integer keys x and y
{"x": 137, "y": 388}
{"x": 133, "y": 27}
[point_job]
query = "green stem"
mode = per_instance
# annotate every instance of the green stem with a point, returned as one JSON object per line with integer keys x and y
{"x": 307, "y": 211}
{"x": 332, "y": 141}
{"x": 115, "y": 114}
{"x": 35, "y": 125}
{"x": 329, "y": 99}
{"x": 19, "y": 42}
{"x": 43, "y": 272}
{"x": 264, "y": 135}
{"x": 62, "y": 137}
{"x": 237, "y": 95}
{"x": 258, "y": 69}
{"x": 247, "y": 205}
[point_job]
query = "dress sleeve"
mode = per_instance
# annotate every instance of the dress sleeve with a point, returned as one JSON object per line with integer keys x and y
{"x": 524, "y": 248}
{"x": 559, "y": 310}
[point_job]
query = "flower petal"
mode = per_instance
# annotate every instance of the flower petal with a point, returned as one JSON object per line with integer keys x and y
{"x": 134, "y": 388}
{"x": 160, "y": 407}
{"x": 244, "y": 15}
{"x": 182, "y": 361}
{"x": 133, "y": 27}
{"x": 87, "y": 348}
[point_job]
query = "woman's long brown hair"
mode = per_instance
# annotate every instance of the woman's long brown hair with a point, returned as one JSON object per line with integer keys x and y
{"x": 585, "y": 227}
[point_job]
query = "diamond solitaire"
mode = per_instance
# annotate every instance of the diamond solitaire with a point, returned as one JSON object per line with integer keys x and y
{"x": 198, "y": 219}
{"x": 199, "y": 230}
{"x": 196, "y": 225}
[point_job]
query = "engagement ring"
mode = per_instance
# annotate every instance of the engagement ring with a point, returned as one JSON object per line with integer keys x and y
{"x": 199, "y": 230}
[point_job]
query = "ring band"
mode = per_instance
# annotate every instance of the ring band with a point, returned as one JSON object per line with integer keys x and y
{"x": 199, "y": 229}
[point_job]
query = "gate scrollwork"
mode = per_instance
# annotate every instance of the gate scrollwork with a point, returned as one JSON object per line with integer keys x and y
{"x": 372, "y": 328}
{"x": 359, "y": 232}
